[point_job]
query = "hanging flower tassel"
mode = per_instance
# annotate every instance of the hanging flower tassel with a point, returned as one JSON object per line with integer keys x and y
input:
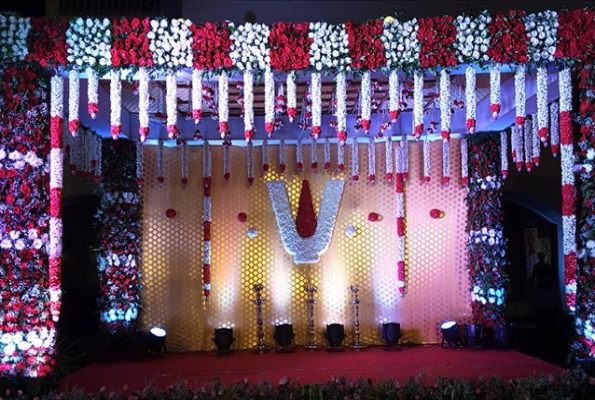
{"x": 341, "y": 108}
{"x": 542, "y": 107}
{"x": 316, "y": 93}
{"x": 446, "y": 163}
{"x": 248, "y": 105}
{"x": 340, "y": 158}
{"x": 299, "y": 157}
{"x": 528, "y": 139}
{"x": 504, "y": 154}
{"x": 139, "y": 164}
{"x": 388, "y": 157}
{"x": 418, "y": 104}
{"x": 250, "y": 163}
{"x": 143, "y": 103}
{"x": 470, "y": 99}
{"x": 354, "y": 161}
{"x": 427, "y": 160}
{"x": 495, "y": 90}
{"x": 184, "y": 163}
{"x": 400, "y": 222}
{"x": 98, "y": 158}
{"x": 568, "y": 188}
{"x": 56, "y": 185}
{"x": 160, "y": 178}
{"x": 393, "y": 96}
{"x": 171, "y": 104}
{"x": 116, "y": 104}
{"x": 555, "y": 127}
{"x": 517, "y": 142}
{"x": 73, "y": 102}
{"x": 405, "y": 158}
{"x": 519, "y": 94}
{"x": 291, "y": 96}
{"x": 269, "y": 102}
{"x": 464, "y": 161}
{"x": 366, "y": 101}
{"x": 196, "y": 95}
{"x": 265, "y": 157}
{"x": 206, "y": 221}
{"x": 313, "y": 155}
{"x": 92, "y": 92}
{"x": 371, "y": 161}
{"x": 445, "y": 114}
{"x": 226, "y": 170}
{"x": 282, "y": 156}
{"x": 327, "y": 155}
{"x": 535, "y": 141}
{"x": 223, "y": 98}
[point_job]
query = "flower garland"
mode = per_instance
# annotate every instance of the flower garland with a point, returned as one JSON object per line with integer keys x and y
{"x": 184, "y": 163}
{"x": 366, "y": 101}
{"x": 504, "y": 154}
{"x": 289, "y": 45}
{"x": 354, "y": 161}
{"x": 399, "y": 180}
{"x": 250, "y": 163}
{"x": 197, "y": 95}
{"x": 329, "y": 48}
{"x": 418, "y": 105}
{"x": 269, "y": 102}
{"x": 299, "y": 156}
{"x": 519, "y": 95}
{"x": 340, "y": 158}
{"x": 393, "y": 96}
{"x": 470, "y": 97}
{"x": 13, "y": 43}
{"x": 446, "y": 163}
{"x": 223, "y": 98}
{"x": 282, "y": 156}
{"x": 143, "y": 104}
{"x": 97, "y": 157}
{"x": 405, "y": 157}
{"x": 388, "y": 159}
{"x": 248, "y": 49}
{"x": 89, "y": 42}
{"x": 555, "y": 127}
{"x": 487, "y": 244}
{"x": 265, "y": 157}
{"x": 211, "y": 44}
{"x": 464, "y": 162}
{"x": 131, "y": 45}
{"x": 371, "y": 161}
{"x": 248, "y": 105}
{"x": 427, "y": 160}
{"x": 73, "y": 102}
{"x": 92, "y": 92}
{"x": 313, "y": 155}
{"x": 568, "y": 187}
{"x": 437, "y": 36}
{"x": 517, "y": 142}
{"x": 115, "y": 104}
{"x": 365, "y": 44}
{"x": 528, "y": 140}
{"x": 160, "y": 177}
{"x": 401, "y": 44}
{"x": 291, "y": 96}
{"x": 207, "y": 172}
{"x": 445, "y": 113}
{"x": 279, "y": 107}
{"x": 542, "y": 107}
{"x": 226, "y": 169}
{"x": 341, "y": 98}
{"x": 495, "y": 90}
{"x": 139, "y": 164}
{"x": 171, "y": 104}
{"x": 327, "y": 155}
{"x": 171, "y": 43}
{"x": 473, "y": 37}
{"x": 535, "y": 140}
{"x": 316, "y": 93}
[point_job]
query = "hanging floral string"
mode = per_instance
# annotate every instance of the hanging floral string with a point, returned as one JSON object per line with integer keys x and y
{"x": 143, "y": 103}
{"x": 418, "y": 104}
{"x": 341, "y": 108}
{"x": 528, "y": 139}
{"x": 56, "y": 173}
{"x": 171, "y": 104}
{"x": 327, "y": 155}
{"x": 92, "y": 92}
{"x": 427, "y": 160}
{"x": 248, "y": 105}
{"x": 495, "y": 90}
{"x": 226, "y": 170}
{"x": 542, "y": 107}
{"x": 98, "y": 158}
{"x": 160, "y": 178}
{"x": 73, "y": 102}
{"x": 206, "y": 220}
{"x": 555, "y": 128}
{"x": 504, "y": 154}
{"x": 250, "y": 162}
{"x": 340, "y": 158}
{"x": 371, "y": 161}
{"x": 519, "y": 94}
{"x": 400, "y": 221}
{"x": 139, "y": 164}
{"x": 366, "y": 101}
{"x": 568, "y": 189}
{"x": 464, "y": 165}
{"x": 518, "y": 134}
{"x": 316, "y": 93}
{"x": 184, "y": 163}
{"x": 313, "y": 155}
{"x": 291, "y": 96}
{"x": 405, "y": 157}
{"x": 354, "y": 160}
{"x": 280, "y": 104}
{"x": 445, "y": 114}
{"x": 269, "y": 102}
{"x": 536, "y": 152}
{"x": 116, "y": 104}
{"x": 299, "y": 156}
{"x": 282, "y": 156}
{"x": 393, "y": 96}
{"x": 223, "y": 98}
{"x": 388, "y": 158}
{"x": 265, "y": 157}
{"x": 446, "y": 163}
{"x": 196, "y": 95}
{"x": 470, "y": 97}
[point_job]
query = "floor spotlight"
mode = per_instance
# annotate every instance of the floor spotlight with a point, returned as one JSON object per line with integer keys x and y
{"x": 223, "y": 340}
{"x": 335, "y": 334}
{"x": 157, "y": 339}
{"x": 474, "y": 335}
{"x": 450, "y": 333}
{"x": 391, "y": 333}
{"x": 284, "y": 336}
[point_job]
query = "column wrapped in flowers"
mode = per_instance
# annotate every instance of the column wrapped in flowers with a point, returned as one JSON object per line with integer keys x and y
{"x": 207, "y": 172}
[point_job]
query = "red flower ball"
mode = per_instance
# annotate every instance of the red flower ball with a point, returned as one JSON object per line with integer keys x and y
{"x": 170, "y": 213}
{"x": 242, "y": 217}
{"x": 373, "y": 217}
{"x": 436, "y": 213}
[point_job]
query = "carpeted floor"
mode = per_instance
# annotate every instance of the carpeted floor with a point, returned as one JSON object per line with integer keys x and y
{"x": 309, "y": 366}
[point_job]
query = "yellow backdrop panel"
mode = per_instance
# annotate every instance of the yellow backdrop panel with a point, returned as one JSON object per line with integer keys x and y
{"x": 437, "y": 283}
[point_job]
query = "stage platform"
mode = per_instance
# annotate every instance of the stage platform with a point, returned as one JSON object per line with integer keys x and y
{"x": 309, "y": 366}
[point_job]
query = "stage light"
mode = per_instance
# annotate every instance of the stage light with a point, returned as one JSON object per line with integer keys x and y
{"x": 450, "y": 333}
{"x": 474, "y": 335}
{"x": 157, "y": 339}
{"x": 391, "y": 333}
{"x": 335, "y": 334}
{"x": 223, "y": 339}
{"x": 284, "y": 335}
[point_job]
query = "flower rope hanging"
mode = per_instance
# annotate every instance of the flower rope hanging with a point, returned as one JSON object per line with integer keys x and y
{"x": 160, "y": 177}
{"x": 341, "y": 108}
{"x": 528, "y": 140}
{"x": 248, "y": 105}
{"x": 366, "y": 101}
{"x": 197, "y": 95}
{"x": 519, "y": 94}
{"x": 327, "y": 155}
{"x": 388, "y": 159}
{"x": 371, "y": 160}
{"x": 495, "y": 90}
{"x": 265, "y": 157}
{"x": 139, "y": 164}
{"x": 393, "y": 96}
{"x": 115, "y": 104}
{"x": 223, "y": 99}
{"x": 184, "y": 163}
{"x": 399, "y": 159}
{"x": 269, "y": 102}
{"x": 542, "y": 107}
{"x": 291, "y": 96}
{"x": 445, "y": 163}
{"x": 427, "y": 159}
{"x": 536, "y": 153}
{"x": 405, "y": 157}
{"x": 464, "y": 163}
{"x": 354, "y": 160}
{"x": 92, "y": 92}
{"x": 171, "y": 104}
{"x": 299, "y": 156}
{"x": 504, "y": 154}
{"x": 143, "y": 103}
{"x": 73, "y": 102}
{"x": 518, "y": 133}
{"x": 206, "y": 220}
{"x": 418, "y": 104}
{"x": 250, "y": 163}
{"x": 470, "y": 98}
{"x": 445, "y": 111}
{"x": 313, "y": 155}
{"x": 226, "y": 170}
{"x": 555, "y": 127}
{"x": 340, "y": 158}
{"x": 316, "y": 93}
{"x": 282, "y": 156}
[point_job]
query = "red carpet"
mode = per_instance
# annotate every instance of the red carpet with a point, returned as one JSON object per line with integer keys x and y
{"x": 309, "y": 367}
